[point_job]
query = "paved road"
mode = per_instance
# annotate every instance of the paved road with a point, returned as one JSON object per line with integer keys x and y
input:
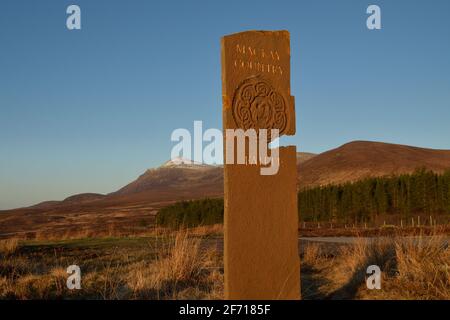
{"x": 334, "y": 242}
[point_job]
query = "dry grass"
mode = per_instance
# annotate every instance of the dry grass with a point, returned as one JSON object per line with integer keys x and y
{"x": 178, "y": 266}
{"x": 209, "y": 230}
{"x": 8, "y": 246}
{"x": 412, "y": 268}
{"x": 182, "y": 261}
{"x": 423, "y": 269}
{"x": 187, "y": 265}
{"x": 166, "y": 266}
{"x": 312, "y": 255}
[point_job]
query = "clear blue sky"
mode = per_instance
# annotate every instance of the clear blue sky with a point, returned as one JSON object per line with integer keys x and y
{"x": 90, "y": 110}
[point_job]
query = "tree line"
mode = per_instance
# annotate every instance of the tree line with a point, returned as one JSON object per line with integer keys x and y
{"x": 367, "y": 200}
{"x": 422, "y": 192}
{"x": 191, "y": 213}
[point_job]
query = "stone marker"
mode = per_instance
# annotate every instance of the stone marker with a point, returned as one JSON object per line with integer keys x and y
{"x": 261, "y": 258}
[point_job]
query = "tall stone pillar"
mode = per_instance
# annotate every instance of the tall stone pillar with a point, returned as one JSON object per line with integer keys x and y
{"x": 261, "y": 221}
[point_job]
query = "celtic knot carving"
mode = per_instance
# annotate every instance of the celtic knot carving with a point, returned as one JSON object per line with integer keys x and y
{"x": 257, "y": 105}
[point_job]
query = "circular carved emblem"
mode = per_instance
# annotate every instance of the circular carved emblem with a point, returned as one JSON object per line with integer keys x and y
{"x": 257, "y": 105}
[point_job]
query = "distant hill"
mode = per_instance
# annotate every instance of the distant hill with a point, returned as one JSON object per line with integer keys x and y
{"x": 304, "y": 156}
{"x": 179, "y": 178}
{"x": 176, "y": 179}
{"x": 75, "y": 199}
{"x": 137, "y": 203}
{"x": 360, "y": 159}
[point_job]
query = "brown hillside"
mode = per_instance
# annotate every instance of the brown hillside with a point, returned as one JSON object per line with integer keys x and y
{"x": 361, "y": 159}
{"x": 194, "y": 181}
{"x": 134, "y": 206}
